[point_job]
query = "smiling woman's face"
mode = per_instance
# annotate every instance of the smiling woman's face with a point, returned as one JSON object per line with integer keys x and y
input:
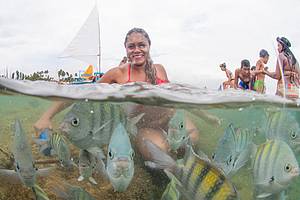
{"x": 137, "y": 48}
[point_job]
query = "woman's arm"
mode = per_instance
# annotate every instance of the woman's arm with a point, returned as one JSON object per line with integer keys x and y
{"x": 236, "y": 78}
{"x": 45, "y": 120}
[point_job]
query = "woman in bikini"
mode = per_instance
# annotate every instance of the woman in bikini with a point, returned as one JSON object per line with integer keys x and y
{"x": 287, "y": 63}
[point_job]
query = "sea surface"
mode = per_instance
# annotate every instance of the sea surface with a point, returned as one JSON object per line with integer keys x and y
{"x": 27, "y": 101}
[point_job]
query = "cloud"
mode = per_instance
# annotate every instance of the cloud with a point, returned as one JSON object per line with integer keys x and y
{"x": 190, "y": 38}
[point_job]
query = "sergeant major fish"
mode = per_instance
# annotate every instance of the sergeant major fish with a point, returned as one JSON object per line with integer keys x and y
{"x": 234, "y": 149}
{"x": 196, "y": 178}
{"x": 120, "y": 165}
{"x": 275, "y": 166}
{"x": 90, "y": 124}
{"x": 61, "y": 148}
{"x": 283, "y": 125}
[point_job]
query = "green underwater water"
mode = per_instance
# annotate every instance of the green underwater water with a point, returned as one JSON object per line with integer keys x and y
{"x": 28, "y": 109}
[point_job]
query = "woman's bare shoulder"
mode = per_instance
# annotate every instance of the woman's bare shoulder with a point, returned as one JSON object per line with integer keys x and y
{"x": 113, "y": 75}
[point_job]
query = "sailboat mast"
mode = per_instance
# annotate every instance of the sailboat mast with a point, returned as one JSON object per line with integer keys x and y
{"x": 99, "y": 45}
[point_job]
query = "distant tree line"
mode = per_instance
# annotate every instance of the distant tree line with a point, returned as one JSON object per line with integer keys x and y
{"x": 44, "y": 76}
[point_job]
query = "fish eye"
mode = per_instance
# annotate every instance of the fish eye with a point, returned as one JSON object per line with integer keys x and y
{"x": 287, "y": 167}
{"x": 132, "y": 155}
{"x": 18, "y": 167}
{"x": 75, "y": 122}
{"x": 110, "y": 154}
{"x": 229, "y": 160}
{"x": 181, "y": 125}
{"x": 293, "y": 134}
{"x": 183, "y": 137}
{"x": 213, "y": 156}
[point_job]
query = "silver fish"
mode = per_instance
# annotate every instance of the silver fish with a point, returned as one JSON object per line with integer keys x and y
{"x": 275, "y": 166}
{"x": 25, "y": 171}
{"x": 90, "y": 124}
{"x": 177, "y": 134}
{"x": 284, "y": 126}
{"x": 120, "y": 164}
{"x": 196, "y": 178}
{"x": 233, "y": 150}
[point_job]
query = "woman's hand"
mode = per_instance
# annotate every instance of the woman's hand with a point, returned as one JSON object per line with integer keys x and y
{"x": 42, "y": 124}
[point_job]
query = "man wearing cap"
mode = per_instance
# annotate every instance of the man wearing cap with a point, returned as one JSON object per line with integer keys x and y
{"x": 259, "y": 72}
{"x": 289, "y": 67}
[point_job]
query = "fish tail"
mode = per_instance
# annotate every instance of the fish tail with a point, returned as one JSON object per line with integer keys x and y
{"x": 39, "y": 193}
{"x": 160, "y": 159}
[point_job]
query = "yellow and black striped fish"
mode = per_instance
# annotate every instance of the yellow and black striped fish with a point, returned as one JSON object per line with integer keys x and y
{"x": 275, "y": 166}
{"x": 61, "y": 148}
{"x": 196, "y": 178}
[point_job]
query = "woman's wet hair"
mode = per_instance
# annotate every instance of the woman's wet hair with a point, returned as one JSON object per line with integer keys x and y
{"x": 245, "y": 63}
{"x": 150, "y": 70}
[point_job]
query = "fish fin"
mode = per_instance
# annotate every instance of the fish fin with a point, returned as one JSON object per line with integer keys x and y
{"x": 99, "y": 129}
{"x": 92, "y": 180}
{"x": 253, "y": 153}
{"x": 100, "y": 166}
{"x": 164, "y": 132}
{"x": 80, "y": 178}
{"x": 263, "y": 195}
{"x": 183, "y": 192}
{"x": 39, "y": 193}
{"x": 9, "y": 176}
{"x": 202, "y": 155}
{"x": 171, "y": 192}
{"x": 160, "y": 159}
{"x": 132, "y": 129}
{"x": 45, "y": 171}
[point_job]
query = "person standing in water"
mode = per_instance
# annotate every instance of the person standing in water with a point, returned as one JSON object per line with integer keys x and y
{"x": 259, "y": 72}
{"x": 139, "y": 67}
{"x": 230, "y": 79}
{"x": 289, "y": 67}
{"x": 243, "y": 74}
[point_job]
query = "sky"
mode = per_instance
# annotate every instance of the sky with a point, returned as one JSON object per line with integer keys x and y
{"x": 190, "y": 38}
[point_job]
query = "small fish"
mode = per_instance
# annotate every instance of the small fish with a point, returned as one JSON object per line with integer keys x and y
{"x": 196, "y": 178}
{"x": 87, "y": 165}
{"x": 59, "y": 145}
{"x": 69, "y": 192}
{"x": 233, "y": 150}
{"x": 39, "y": 193}
{"x": 284, "y": 126}
{"x": 120, "y": 165}
{"x": 275, "y": 166}
{"x": 177, "y": 134}
{"x": 90, "y": 124}
{"x": 25, "y": 171}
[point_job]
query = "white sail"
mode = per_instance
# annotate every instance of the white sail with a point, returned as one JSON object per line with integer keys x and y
{"x": 86, "y": 44}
